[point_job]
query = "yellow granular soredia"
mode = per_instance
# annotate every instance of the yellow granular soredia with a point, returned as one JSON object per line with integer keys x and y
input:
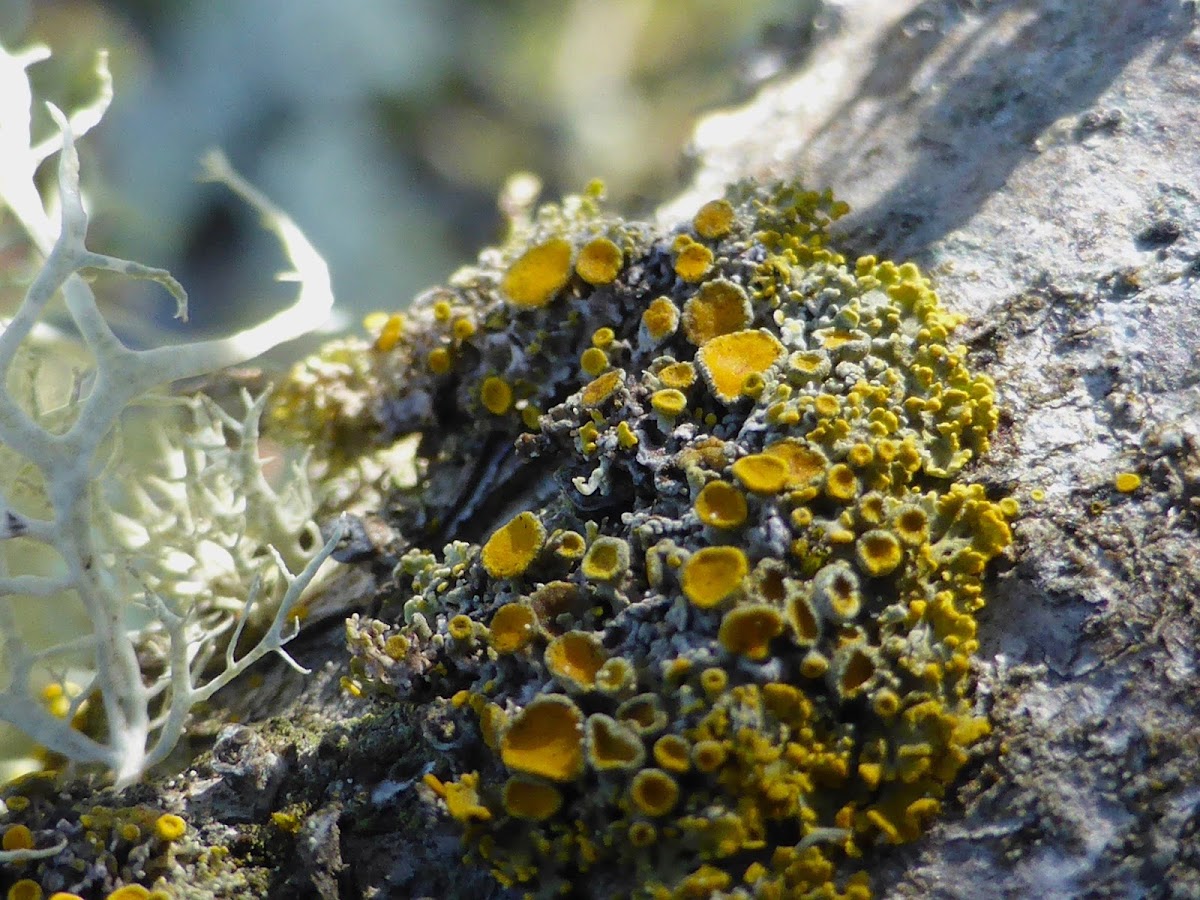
{"x": 511, "y": 550}
{"x": 693, "y": 262}
{"x": 496, "y": 395}
{"x": 714, "y": 219}
{"x": 719, "y": 307}
{"x": 660, "y": 319}
{"x": 713, "y": 574}
{"x": 728, "y": 360}
{"x": 721, "y": 505}
{"x": 599, "y": 261}
{"x": 538, "y": 274}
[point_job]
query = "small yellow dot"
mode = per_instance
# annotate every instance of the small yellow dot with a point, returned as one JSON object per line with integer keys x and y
{"x": 593, "y": 361}
{"x": 1127, "y": 482}
{"x": 170, "y": 827}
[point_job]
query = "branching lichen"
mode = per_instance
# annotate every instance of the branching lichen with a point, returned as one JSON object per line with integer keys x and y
{"x": 137, "y": 531}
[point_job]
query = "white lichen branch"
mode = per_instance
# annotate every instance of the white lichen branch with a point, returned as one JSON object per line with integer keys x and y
{"x": 103, "y": 562}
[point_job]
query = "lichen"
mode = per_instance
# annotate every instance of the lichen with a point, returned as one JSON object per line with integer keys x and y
{"x": 751, "y": 560}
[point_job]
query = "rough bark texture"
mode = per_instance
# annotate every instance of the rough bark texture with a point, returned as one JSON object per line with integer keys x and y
{"x": 1040, "y": 160}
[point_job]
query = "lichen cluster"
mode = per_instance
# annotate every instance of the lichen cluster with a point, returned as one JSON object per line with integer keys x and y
{"x": 690, "y": 556}
{"x": 106, "y": 852}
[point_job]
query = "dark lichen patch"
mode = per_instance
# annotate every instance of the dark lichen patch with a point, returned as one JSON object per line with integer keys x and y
{"x": 754, "y": 665}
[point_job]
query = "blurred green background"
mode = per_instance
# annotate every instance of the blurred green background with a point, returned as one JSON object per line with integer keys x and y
{"x": 384, "y": 127}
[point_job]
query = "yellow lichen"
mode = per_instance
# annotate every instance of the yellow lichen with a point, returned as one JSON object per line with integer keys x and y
{"x": 462, "y": 800}
{"x": 600, "y": 389}
{"x": 729, "y": 359}
{"x": 806, "y": 628}
{"x": 389, "y": 334}
{"x": 129, "y": 892}
{"x": 626, "y": 437}
{"x": 538, "y": 274}
{"x": 714, "y": 219}
{"x": 527, "y": 798}
{"x": 593, "y": 361}
{"x": 574, "y": 659}
{"x": 439, "y": 361}
{"x": 545, "y": 739}
{"x": 841, "y": 483}
{"x": 803, "y": 463}
{"x": 668, "y": 402}
{"x": 25, "y": 889}
{"x": 599, "y": 261}
{"x": 693, "y": 262}
{"x": 496, "y": 395}
{"x": 1127, "y": 482}
{"x": 719, "y": 307}
{"x": 606, "y": 560}
{"x": 654, "y": 792}
{"x": 17, "y": 837}
{"x": 660, "y": 319}
{"x": 461, "y": 628}
{"x": 712, "y": 574}
{"x": 680, "y": 375}
{"x": 612, "y": 744}
{"x": 762, "y": 473}
{"x": 169, "y": 827}
{"x": 513, "y": 626}
{"x": 879, "y": 553}
{"x": 748, "y": 630}
{"x": 514, "y": 547}
{"x": 673, "y": 753}
{"x": 708, "y": 755}
{"x": 721, "y": 505}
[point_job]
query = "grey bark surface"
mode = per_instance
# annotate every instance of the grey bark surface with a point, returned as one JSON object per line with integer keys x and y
{"x": 1040, "y": 159}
